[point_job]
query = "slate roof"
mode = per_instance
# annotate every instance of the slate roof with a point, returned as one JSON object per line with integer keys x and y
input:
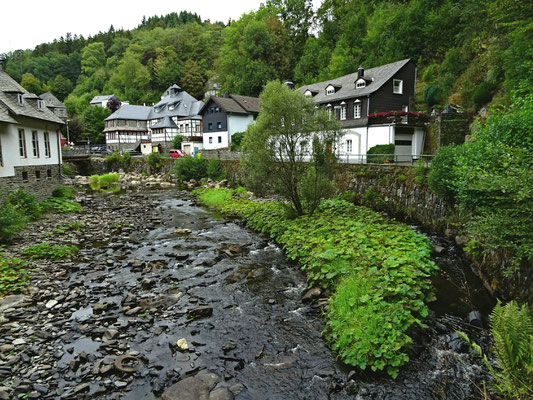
{"x": 9, "y": 89}
{"x": 100, "y": 99}
{"x": 129, "y": 111}
{"x": 375, "y": 77}
{"x": 184, "y": 105}
{"x": 4, "y": 115}
{"x": 234, "y": 103}
{"x": 51, "y": 100}
{"x": 166, "y": 122}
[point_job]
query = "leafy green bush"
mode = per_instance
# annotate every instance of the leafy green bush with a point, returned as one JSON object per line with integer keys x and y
{"x": 187, "y": 168}
{"x": 236, "y": 140}
{"x": 176, "y": 141}
{"x": 69, "y": 168}
{"x": 512, "y": 328}
{"x": 60, "y": 205}
{"x": 214, "y": 169}
{"x": 155, "y": 161}
{"x": 482, "y": 93}
{"x": 113, "y": 161}
{"x": 373, "y": 199}
{"x": 25, "y": 203}
{"x": 94, "y": 182}
{"x": 126, "y": 160}
{"x": 62, "y": 191}
{"x": 106, "y": 182}
{"x": 51, "y": 252}
{"x": 442, "y": 176}
{"x": 12, "y": 221}
{"x": 71, "y": 226}
{"x": 13, "y": 274}
{"x": 385, "y": 151}
{"x": 379, "y": 271}
{"x": 433, "y": 95}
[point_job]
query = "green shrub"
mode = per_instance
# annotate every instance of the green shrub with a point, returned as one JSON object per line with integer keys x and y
{"x": 386, "y": 152}
{"x": 108, "y": 182}
{"x": 176, "y": 142}
{"x": 214, "y": 169}
{"x": 433, "y": 95}
{"x": 379, "y": 271}
{"x": 512, "y": 328}
{"x": 69, "y": 168}
{"x": 62, "y": 191}
{"x": 13, "y": 274}
{"x": 236, "y": 141}
{"x": 51, "y": 252}
{"x": 482, "y": 93}
{"x": 373, "y": 199}
{"x": 113, "y": 161}
{"x": 12, "y": 221}
{"x": 187, "y": 168}
{"x": 94, "y": 182}
{"x": 26, "y": 203}
{"x": 60, "y": 205}
{"x": 155, "y": 161}
{"x": 442, "y": 176}
{"x": 126, "y": 160}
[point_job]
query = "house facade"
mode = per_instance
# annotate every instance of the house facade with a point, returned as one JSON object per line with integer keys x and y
{"x": 102, "y": 101}
{"x": 30, "y": 140}
{"x": 154, "y": 127}
{"x": 374, "y": 107}
{"x": 57, "y": 107}
{"x": 225, "y": 116}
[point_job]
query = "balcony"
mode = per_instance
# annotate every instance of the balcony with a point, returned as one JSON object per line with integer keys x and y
{"x": 398, "y": 118}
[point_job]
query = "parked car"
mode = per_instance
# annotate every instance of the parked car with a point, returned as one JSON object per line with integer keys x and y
{"x": 101, "y": 150}
{"x": 133, "y": 152}
{"x": 176, "y": 153}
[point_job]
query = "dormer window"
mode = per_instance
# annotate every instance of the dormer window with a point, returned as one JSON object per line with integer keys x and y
{"x": 361, "y": 83}
{"x": 20, "y": 99}
{"x": 330, "y": 90}
{"x": 308, "y": 93}
{"x": 397, "y": 86}
{"x": 40, "y": 104}
{"x": 171, "y": 107}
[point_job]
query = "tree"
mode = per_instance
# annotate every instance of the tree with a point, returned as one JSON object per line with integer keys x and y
{"x": 114, "y": 104}
{"x": 167, "y": 68}
{"x": 193, "y": 80}
{"x": 93, "y": 57}
{"x": 31, "y": 83}
{"x": 290, "y": 148}
{"x": 93, "y": 120}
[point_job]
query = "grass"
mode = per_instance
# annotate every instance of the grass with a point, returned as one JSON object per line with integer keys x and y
{"x": 51, "y": 252}
{"x": 13, "y": 275}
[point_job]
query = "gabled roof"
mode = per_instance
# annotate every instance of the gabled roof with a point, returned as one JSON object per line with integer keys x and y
{"x": 51, "y": 100}
{"x": 375, "y": 77}
{"x": 184, "y": 105}
{"x": 9, "y": 89}
{"x": 166, "y": 122}
{"x": 234, "y": 103}
{"x": 100, "y": 99}
{"x": 4, "y": 115}
{"x": 128, "y": 111}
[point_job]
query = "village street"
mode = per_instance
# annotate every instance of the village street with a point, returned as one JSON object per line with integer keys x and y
{"x": 154, "y": 269}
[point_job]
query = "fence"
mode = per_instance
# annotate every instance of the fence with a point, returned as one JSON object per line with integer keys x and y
{"x": 390, "y": 159}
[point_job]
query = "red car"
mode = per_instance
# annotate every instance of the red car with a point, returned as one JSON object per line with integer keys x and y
{"x": 176, "y": 153}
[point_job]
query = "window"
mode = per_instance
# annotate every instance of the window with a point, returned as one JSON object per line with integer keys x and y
{"x": 22, "y": 143}
{"x": 38, "y": 174}
{"x": 210, "y": 126}
{"x": 303, "y": 146}
{"x": 343, "y": 111}
{"x": 20, "y": 99}
{"x": 220, "y": 139}
{"x": 349, "y": 146}
{"x": 210, "y": 139}
{"x": 308, "y": 93}
{"x": 330, "y": 90}
{"x": 40, "y": 104}
{"x": 405, "y": 108}
{"x": 330, "y": 111}
{"x": 397, "y": 86}
{"x": 219, "y": 125}
{"x": 357, "y": 110}
{"x": 48, "y": 173}
{"x": 35, "y": 143}
{"x": 46, "y": 144}
{"x": 25, "y": 176}
{"x": 360, "y": 84}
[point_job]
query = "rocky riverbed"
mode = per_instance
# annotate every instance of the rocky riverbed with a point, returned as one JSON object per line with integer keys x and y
{"x": 166, "y": 300}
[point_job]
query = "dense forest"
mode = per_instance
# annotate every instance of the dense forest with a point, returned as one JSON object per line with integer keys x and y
{"x": 468, "y": 53}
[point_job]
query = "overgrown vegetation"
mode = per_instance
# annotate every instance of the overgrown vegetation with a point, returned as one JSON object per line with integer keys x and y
{"x": 13, "y": 274}
{"x": 381, "y": 153}
{"x": 377, "y": 271}
{"x": 188, "y": 167}
{"x": 106, "y": 183}
{"x": 50, "y": 251}
{"x": 69, "y": 168}
{"x": 489, "y": 181}
{"x": 176, "y": 142}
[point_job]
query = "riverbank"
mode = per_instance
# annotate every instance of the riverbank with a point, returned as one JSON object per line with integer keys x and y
{"x": 154, "y": 269}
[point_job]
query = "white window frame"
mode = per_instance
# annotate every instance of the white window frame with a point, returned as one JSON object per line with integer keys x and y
{"x": 210, "y": 139}
{"x": 330, "y": 110}
{"x": 40, "y": 104}
{"x": 35, "y": 144}
{"x": 357, "y": 110}
{"x": 361, "y": 83}
{"x": 308, "y": 93}
{"x": 397, "y": 86}
{"x": 20, "y": 99}
{"x": 349, "y": 146}
{"x": 22, "y": 144}
{"x": 343, "y": 111}
{"x": 330, "y": 89}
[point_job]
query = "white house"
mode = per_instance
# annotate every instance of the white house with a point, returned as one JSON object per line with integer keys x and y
{"x": 30, "y": 140}
{"x": 224, "y": 116}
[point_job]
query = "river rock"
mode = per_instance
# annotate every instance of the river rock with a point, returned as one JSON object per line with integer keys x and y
{"x": 221, "y": 393}
{"x": 200, "y": 312}
{"x": 312, "y": 294}
{"x": 192, "y": 388}
{"x": 182, "y": 344}
{"x": 51, "y": 303}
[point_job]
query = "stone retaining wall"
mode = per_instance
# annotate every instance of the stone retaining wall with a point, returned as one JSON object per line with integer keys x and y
{"x": 40, "y": 180}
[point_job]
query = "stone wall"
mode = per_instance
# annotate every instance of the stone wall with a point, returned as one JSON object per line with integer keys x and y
{"x": 40, "y": 180}
{"x": 222, "y": 154}
{"x": 394, "y": 189}
{"x": 97, "y": 165}
{"x": 446, "y": 129}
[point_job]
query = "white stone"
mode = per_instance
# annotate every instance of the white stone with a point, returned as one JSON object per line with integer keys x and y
{"x": 51, "y": 303}
{"x": 182, "y": 344}
{"x": 18, "y": 341}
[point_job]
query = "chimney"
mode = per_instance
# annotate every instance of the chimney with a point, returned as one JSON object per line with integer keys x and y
{"x": 289, "y": 84}
{"x": 2, "y": 63}
{"x": 360, "y": 72}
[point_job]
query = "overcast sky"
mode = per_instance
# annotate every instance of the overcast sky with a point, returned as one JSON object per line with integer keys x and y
{"x": 27, "y": 23}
